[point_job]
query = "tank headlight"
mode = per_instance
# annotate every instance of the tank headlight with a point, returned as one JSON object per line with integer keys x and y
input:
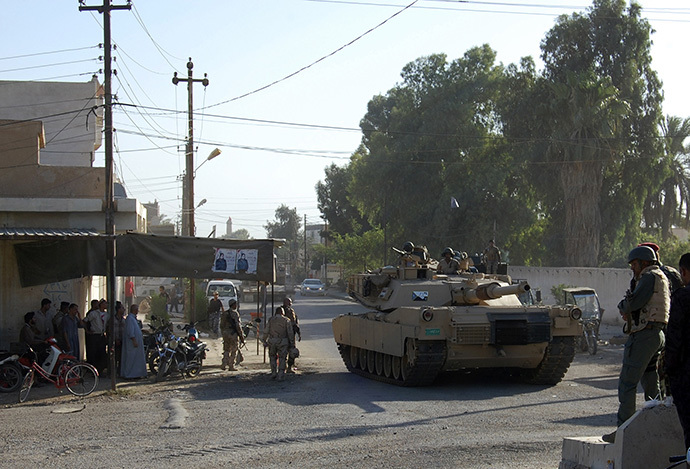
{"x": 576, "y": 313}
{"x": 427, "y": 315}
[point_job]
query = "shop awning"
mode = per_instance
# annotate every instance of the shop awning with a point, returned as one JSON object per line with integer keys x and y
{"x": 48, "y": 257}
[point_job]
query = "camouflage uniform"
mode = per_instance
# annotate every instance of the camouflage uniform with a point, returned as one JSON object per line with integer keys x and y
{"x": 231, "y": 328}
{"x": 493, "y": 257}
{"x": 292, "y": 316}
{"x": 278, "y": 337}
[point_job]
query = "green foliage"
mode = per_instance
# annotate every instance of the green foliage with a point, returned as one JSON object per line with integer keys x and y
{"x": 357, "y": 253}
{"x": 557, "y": 292}
{"x": 201, "y": 306}
{"x": 158, "y": 307}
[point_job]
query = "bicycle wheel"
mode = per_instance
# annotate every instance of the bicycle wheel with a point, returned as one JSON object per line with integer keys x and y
{"x": 26, "y": 386}
{"x": 591, "y": 342}
{"x": 81, "y": 379}
{"x": 10, "y": 377}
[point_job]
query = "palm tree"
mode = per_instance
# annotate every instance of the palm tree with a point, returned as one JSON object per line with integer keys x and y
{"x": 584, "y": 125}
{"x": 669, "y": 205}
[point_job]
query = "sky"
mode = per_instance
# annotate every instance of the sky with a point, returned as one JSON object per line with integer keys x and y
{"x": 289, "y": 82}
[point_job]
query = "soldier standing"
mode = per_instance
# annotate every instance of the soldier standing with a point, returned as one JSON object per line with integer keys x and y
{"x": 278, "y": 337}
{"x": 646, "y": 311}
{"x": 677, "y": 359}
{"x": 231, "y": 328}
{"x": 293, "y": 353}
{"x": 493, "y": 256}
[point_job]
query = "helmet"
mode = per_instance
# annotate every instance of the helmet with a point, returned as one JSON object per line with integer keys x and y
{"x": 408, "y": 246}
{"x": 447, "y": 251}
{"x": 232, "y": 302}
{"x": 643, "y": 253}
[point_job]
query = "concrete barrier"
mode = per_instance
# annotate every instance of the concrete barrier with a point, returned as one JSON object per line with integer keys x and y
{"x": 646, "y": 440}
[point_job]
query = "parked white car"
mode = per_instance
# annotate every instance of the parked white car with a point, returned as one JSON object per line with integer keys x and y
{"x": 226, "y": 290}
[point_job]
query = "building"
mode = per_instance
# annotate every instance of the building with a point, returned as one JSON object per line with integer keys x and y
{"x": 71, "y": 113}
{"x": 51, "y": 197}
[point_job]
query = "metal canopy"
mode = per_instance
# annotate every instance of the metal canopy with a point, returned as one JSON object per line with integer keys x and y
{"x": 58, "y": 257}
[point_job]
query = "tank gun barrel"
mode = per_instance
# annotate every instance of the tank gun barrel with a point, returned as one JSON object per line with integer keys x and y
{"x": 489, "y": 291}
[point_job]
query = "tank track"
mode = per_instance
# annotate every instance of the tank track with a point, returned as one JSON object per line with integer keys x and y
{"x": 557, "y": 359}
{"x": 429, "y": 359}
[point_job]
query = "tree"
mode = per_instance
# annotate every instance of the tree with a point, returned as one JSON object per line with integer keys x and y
{"x": 334, "y": 201}
{"x": 669, "y": 206}
{"x": 238, "y": 234}
{"x": 611, "y": 42}
{"x": 286, "y": 226}
{"x": 432, "y": 137}
{"x": 586, "y": 114}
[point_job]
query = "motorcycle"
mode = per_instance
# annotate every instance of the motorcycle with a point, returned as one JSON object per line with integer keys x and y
{"x": 181, "y": 356}
{"x": 154, "y": 342}
{"x": 10, "y": 372}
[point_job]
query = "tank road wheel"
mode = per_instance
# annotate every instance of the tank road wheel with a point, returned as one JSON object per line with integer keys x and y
{"x": 408, "y": 359}
{"x": 396, "y": 365}
{"x": 362, "y": 361}
{"x": 387, "y": 365}
{"x": 354, "y": 353}
{"x": 371, "y": 362}
{"x": 378, "y": 358}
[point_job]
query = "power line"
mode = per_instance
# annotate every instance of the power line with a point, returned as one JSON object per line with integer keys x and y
{"x": 318, "y": 60}
{"x": 35, "y": 54}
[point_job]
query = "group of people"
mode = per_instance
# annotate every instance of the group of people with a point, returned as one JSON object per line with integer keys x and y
{"x": 64, "y": 324}
{"x": 279, "y": 337}
{"x": 453, "y": 261}
{"x": 656, "y": 311}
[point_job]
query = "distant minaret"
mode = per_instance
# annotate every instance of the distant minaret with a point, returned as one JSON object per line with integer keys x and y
{"x": 228, "y": 227}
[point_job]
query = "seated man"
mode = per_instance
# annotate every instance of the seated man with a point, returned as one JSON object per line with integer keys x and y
{"x": 448, "y": 265}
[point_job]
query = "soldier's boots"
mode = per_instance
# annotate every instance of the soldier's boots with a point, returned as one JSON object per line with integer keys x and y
{"x": 281, "y": 375}
{"x": 289, "y": 370}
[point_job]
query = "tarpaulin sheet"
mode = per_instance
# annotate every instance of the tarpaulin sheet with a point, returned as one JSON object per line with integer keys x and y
{"x": 137, "y": 254}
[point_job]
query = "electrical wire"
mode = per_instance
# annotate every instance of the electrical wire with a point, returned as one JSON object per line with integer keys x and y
{"x": 318, "y": 60}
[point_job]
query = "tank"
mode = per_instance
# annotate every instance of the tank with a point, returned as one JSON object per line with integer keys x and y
{"x": 422, "y": 324}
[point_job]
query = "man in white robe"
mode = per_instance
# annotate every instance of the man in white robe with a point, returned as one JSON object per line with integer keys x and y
{"x": 133, "y": 362}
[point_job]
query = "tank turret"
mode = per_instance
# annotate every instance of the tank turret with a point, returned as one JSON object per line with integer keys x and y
{"x": 424, "y": 323}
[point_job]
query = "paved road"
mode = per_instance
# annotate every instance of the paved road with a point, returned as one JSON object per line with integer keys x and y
{"x": 323, "y": 416}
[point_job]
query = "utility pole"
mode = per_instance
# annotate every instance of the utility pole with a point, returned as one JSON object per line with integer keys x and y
{"x": 306, "y": 270}
{"x": 188, "y": 228}
{"x": 109, "y": 206}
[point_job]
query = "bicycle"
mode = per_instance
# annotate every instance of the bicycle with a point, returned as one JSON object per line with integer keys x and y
{"x": 78, "y": 377}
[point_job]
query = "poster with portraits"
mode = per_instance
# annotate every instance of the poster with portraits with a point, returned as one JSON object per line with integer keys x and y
{"x": 235, "y": 261}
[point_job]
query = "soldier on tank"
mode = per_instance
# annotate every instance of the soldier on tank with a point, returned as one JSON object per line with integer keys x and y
{"x": 448, "y": 265}
{"x": 492, "y": 256}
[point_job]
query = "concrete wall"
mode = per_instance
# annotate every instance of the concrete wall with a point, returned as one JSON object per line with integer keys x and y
{"x": 16, "y": 300}
{"x": 610, "y": 284}
{"x": 72, "y": 129}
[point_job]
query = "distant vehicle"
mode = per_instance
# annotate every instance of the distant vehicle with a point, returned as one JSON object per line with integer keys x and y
{"x": 588, "y": 301}
{"x": 312, "y": 286}
{"x": 226, "y": 290}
